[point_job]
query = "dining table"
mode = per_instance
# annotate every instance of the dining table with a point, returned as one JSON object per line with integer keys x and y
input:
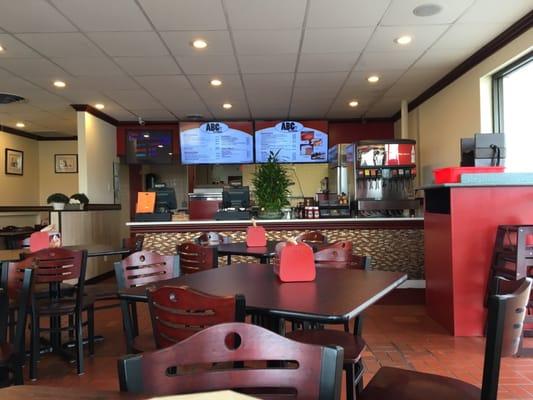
{"x": 263, "y": 253}
{"x": 93, "y": 250}
{"x": 335, "y": 296}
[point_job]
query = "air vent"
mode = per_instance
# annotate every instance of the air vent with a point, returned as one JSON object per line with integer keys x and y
{"x": 195, "y": 117}
{"x": 6, "y": 98}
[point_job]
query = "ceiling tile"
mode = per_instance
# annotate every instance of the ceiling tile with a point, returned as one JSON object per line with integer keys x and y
{"x": 384, "y": 108}
{"x": 259, "y": 82}
{"x": 239, "y": 109}
{"x": 88, "y": 66}
{"x": 125, "y": 44}
{"x": 179, "y": 42}
{"x": 423, "y": 37}
{"x": 208, "y": 64}
{"x": 345, "y": 13}
{"x": 337, "y": 62}
{"x": 230, "y": 83}
{"x": 436, "y": 58}
{"x": 16, "y": 85}
{"x": 400, "y": 12}
{"x": 121, "y": 115}
{"x": 317, "y": 79}
{"x": 164, "y": 84}
{"x": 131, "y": 99}
{"x": 154, "y": 114}
{"x": 270, "y": 112}
{"x": 315, "y": 93}
{"x": 15, "y": 48}
{"x": 472, "y": 36}
{"x": 104, "y": 15}
{"x": 33, "y": 67}
{"x": 114, "y": 82}
{"x": 266, "y": 42}
{"x": 260, "y": 14}
{"x": 175, "y": 15}
{"x": 338, "y": 40}
{"x": 71, "y": 44}
{"x": 267, "y": 64}
{"x": 138, "y": 66}
{"x": 358, "y": 79}
{"x": 385, "y": 60}
{"x": 32, "y": 16}
{"x": 493, "y": 11}
{"x": 279, "y": 98}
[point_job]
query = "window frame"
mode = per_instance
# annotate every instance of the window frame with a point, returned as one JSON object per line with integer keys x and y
{"x": 497, "y": 90}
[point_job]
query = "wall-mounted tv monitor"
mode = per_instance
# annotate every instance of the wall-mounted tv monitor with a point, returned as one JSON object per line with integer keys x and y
{"x": 294, "y": 141}
{"x": 148, "y": 147}
{"x": 216, "y": 142}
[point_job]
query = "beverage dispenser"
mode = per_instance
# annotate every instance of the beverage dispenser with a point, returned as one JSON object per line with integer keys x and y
{"x": 383, "y": 179}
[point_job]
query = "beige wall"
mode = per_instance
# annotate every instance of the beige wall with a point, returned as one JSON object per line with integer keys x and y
{"x": 49, "y": 181}
{"x": 97, "y": 151}
{"x": 459, "y": 110}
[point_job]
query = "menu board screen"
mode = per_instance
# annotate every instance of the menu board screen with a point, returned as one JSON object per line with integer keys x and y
{"x": 216, "y": 142}
{"x": 295, "y": 142}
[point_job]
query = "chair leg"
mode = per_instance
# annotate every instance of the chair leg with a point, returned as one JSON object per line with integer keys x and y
{"x": 79, "y": 344}
{"x": 134, "y": 318}
{"x": 11, "y": 323}
{"x": 350, "y": 382}
{"x": 90, "y": 329}
{"x": 358, "y": 378}
{"x": 71, "y": 323}
{"x": 35, "y": 345}
{"x": 18, "y": 376}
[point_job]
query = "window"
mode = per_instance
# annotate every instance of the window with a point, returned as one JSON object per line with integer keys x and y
{"x": 513, "y": 105}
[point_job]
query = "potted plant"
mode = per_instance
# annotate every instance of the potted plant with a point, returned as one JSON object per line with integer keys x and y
{"x": 58, "y": 200}
{"x": 271, "y": 182}
{"x": 79, "y": 200}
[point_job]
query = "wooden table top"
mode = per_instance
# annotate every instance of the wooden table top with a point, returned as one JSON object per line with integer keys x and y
{"x": 240, "y": 249}
{"x": 37, "y": 392}
{"x": 93, "y": 250}
{"x": 335, "y": 295}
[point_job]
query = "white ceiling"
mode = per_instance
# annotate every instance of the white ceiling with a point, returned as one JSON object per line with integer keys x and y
{"x": 276, "y": 58}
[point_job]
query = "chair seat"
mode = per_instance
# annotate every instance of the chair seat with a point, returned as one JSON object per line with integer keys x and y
{"x": 401, "y": 384}
{"x": 144, "y": 342}
{"x": 353, "y": 345}
{"x": 64, "y": 305}
{"x": 102, "y": 291}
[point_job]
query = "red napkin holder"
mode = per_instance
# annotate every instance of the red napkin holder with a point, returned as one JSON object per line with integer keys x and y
{"x": 295, "y": 262}
{"x": 44, "y": 240}
{"x": 256, "y": 236}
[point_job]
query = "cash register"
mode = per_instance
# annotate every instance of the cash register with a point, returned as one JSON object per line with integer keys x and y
{"x": 165, "y": 202}
{"x": 235, "y": 204}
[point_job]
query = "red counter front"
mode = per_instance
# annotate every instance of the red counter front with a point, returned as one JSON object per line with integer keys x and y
{"x": 459, "y": 231}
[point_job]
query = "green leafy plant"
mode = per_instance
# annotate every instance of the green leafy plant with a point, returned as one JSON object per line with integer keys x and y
{"x": 57, "y": 198}
{"x": 271, "y": 182}
{"x": 81, "y": 197}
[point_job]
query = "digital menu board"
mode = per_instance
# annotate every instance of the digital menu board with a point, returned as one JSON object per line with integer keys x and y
{"x": 216, "y": 142}
{"x": 294, "y": 141}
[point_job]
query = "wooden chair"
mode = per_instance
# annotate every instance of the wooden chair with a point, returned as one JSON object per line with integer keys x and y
{"x": 180, "y": 312}
{"x": 138, "y": 269}
{"x": 312, "y": 237}
{"x": 134, "y": 243}
{"x": 505, "y": 323}
{"x": 304, "y": 371}
{"x": 340, "y": 255}
{"x": 16, "y": 285}
{"x": 195, "y": 258}
{"x": 54, "y": 266}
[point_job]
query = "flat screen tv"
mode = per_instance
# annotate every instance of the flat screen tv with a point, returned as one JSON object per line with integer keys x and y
{"x": 293, "y": 141}
{"x": 149, "y": 147}
{"x": 216, "y": 142}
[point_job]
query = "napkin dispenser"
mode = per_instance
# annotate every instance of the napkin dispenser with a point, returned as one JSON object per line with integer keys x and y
{"x": 255, "y": 235}
{"x": 294, "y": 262}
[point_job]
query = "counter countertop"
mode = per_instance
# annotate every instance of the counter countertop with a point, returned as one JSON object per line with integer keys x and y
{"x": 278, "y": 221}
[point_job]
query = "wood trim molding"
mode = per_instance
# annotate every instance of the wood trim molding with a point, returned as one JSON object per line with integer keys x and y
{"x": 518, "y": 28}
{"x": 97, "y": 113}
{"x": 18, "y": 132}
{"x": 175, "y": 122}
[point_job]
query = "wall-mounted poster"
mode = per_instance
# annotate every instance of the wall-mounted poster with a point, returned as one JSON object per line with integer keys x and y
{"x": 294, "y": 141}
{"x": 216, "y": 142}
{"x": 66, "y": 163}
{"x": 14, "y": 162}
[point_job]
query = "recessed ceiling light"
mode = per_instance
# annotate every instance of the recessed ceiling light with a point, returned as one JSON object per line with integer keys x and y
{"x": 59, "y": 84}
{"x": 353, "y": 103}
{"x": 427, "y": 10}
{"x": 146, "y": 135}
{"x": 1, "y": 48}
{"x": 160, "y": 146}
{"x": 199, "y": 44}
{"x": 99, "y": 106}
{"x": 169, "y": 154}
{"x": 403, "y": 40}
{"x": 227, "y": 106}
{"x": 20, "y": 124}
{"x": 373, "y": 78}
{"x": 216, "y": 82}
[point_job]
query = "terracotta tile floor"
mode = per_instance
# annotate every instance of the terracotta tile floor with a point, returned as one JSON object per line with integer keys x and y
{"x": 397, "y": 335}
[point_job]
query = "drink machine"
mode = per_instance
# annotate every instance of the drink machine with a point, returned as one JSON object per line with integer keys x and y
{"x": 382, "y": 177}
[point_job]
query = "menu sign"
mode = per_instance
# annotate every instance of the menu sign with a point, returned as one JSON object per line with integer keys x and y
{"x": 295, "y": 142}
{"x": 216, "y": 142}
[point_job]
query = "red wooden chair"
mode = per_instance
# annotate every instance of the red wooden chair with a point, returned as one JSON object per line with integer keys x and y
{"x": 506, "y": 315}
{"x": 16, "y": 285}
{"x": 180, "y": 312}
{"x": 312, "y": 237}
{"x": 54, "y": 266}
{"x": 302, "y": 371}
{"x": 138, "y": 269}
{"x": 340, "y": 255}
{"x": 195, "y": 258}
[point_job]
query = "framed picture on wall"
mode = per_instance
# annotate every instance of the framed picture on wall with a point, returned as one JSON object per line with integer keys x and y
{"x": 14, "y": 164}
{"x": 66, "y": 163}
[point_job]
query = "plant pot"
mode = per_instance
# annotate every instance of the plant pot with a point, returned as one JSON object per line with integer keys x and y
{"x": 58, "y": 206}
{"x": 269, "y": 215}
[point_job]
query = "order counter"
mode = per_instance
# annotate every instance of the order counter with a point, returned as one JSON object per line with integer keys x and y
{"x": 394, "y": 244}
